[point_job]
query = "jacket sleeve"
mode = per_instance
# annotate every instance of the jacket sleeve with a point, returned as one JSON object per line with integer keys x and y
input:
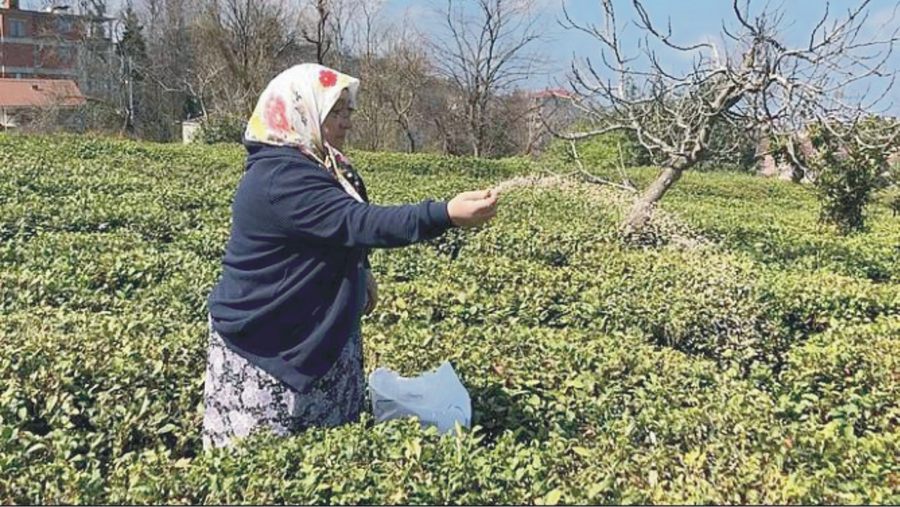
{"x": 311, "y": 205}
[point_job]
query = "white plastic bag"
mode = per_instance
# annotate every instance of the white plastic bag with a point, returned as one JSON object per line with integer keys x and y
{"x": 437, "y": 397}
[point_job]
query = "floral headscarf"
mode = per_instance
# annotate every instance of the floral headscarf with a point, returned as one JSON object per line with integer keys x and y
{"x": 291, "y": 110}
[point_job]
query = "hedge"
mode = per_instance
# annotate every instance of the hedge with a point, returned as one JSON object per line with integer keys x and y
{"x": 707, "y": 371}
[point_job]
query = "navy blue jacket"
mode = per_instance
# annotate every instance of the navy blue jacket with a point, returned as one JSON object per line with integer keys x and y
{"x": 289, "y": 295}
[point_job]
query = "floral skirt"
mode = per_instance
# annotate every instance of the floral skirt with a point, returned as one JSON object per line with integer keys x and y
{"x": 239, "y": 398}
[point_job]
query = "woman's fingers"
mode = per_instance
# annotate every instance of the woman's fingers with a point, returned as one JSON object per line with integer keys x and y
{"x": 475, "y": 195}
{"x": 473, "y": 208}
{"x": 486, "y": 210}
{"x": 489, "y": 203}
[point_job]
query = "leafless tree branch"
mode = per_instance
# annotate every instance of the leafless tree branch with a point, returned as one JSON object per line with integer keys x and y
{"x": 754, "y": 82}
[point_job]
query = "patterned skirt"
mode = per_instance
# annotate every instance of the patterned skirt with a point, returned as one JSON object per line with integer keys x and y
{"x": 239, "y": 398}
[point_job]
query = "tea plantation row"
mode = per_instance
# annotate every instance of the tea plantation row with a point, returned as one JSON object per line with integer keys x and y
{"x": 747, "y": 356}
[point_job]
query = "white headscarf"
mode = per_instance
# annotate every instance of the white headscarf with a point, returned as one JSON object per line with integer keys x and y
{"x": 292, "y": 108}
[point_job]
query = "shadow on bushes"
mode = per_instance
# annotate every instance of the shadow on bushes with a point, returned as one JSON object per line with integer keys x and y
{"x": 497, "y": 412}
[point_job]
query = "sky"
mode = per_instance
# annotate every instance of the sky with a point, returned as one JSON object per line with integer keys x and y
{"x": 692, "y": 21}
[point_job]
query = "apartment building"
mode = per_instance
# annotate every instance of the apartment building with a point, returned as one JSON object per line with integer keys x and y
{"x": 52, "y": 44}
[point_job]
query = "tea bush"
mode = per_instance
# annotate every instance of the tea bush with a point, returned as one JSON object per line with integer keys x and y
{"x": 606, "y": 151}
{"x": 749, "y": 356}
{"x": 222, "y": 129}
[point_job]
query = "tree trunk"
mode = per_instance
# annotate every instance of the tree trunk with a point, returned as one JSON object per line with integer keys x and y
{"x": 412, "y": 140}
{"x": 640, "y": 211}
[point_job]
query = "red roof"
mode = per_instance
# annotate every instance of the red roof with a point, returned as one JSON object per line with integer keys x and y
{"x": 39, "y": 93}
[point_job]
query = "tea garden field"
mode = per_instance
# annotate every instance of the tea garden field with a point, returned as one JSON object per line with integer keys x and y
{"x": 742, "y": 353}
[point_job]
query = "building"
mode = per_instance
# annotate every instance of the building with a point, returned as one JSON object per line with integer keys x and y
{"x": 54, "y": 44}
{"x": 22, "y": 100}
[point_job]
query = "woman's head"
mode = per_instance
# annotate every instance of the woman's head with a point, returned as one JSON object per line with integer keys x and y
{"x": 305, "y": 106}
{"x": 337, "y": 123}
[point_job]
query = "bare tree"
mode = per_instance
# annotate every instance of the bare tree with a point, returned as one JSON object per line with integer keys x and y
{"x": 485, "y": 53}
{"x": 373, "y": 122}
{"x": 325, "y": 24}
{"x": 409, "y": 66}
{"x": 389, "y": 58}
{"x": 243, "y": 41}
{"x": 398, "y": 79}
{"x": 443, "y": 104}
{"x": 316, "y": 31}
{"x": 752, "y": 80}
{"x": 168, "y": 26}
{"x": 547, "y": 111}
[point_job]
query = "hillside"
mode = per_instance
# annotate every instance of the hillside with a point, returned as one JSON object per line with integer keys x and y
{"x": 744, "y": 354}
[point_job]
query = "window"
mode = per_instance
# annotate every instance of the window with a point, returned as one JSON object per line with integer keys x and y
{"x": 64, "y": 55}
{"x": 63, "y": 25}
{"x": 17, "y": 28}
{"x": 98, "y": 30}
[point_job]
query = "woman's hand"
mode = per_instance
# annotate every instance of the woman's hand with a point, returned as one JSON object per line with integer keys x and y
{"x": 371, "y": 292}
{"x": 471, "y": 209}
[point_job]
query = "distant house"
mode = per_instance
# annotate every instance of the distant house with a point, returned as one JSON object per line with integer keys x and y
{"x": 21, "y": 100}
{"x": 54, "y": 44}
{"x": 553, "y": 93}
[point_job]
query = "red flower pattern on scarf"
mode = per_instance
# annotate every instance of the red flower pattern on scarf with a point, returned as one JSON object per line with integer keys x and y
{"x": 276, "y": 114}
{"x": 327, "y": 78}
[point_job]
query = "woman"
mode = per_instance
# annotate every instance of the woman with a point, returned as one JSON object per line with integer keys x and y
{"x": 285, "y": 349}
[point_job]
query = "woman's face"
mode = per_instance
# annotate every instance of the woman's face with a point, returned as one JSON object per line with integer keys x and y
{"x": 337, "y": 123}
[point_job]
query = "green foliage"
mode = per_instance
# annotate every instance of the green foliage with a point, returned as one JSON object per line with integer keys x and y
{"x": 606, "y": 151}
{"x": 890, "y": 197}
{"x": 846, "y": 181}
{"x": 889, "y": 186}
{"x": 731, "y": 148}
{"x": 777, "y": 224}
{"x": 222, "y": 129}
{"x": 758, "y": 367}
{"x": 848, "y": 164}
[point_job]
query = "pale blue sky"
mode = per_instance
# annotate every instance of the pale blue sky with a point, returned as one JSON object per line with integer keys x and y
{"x": 692, "y": 21}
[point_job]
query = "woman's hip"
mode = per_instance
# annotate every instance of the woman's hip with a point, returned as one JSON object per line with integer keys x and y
{"x": 240, "y": 397}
